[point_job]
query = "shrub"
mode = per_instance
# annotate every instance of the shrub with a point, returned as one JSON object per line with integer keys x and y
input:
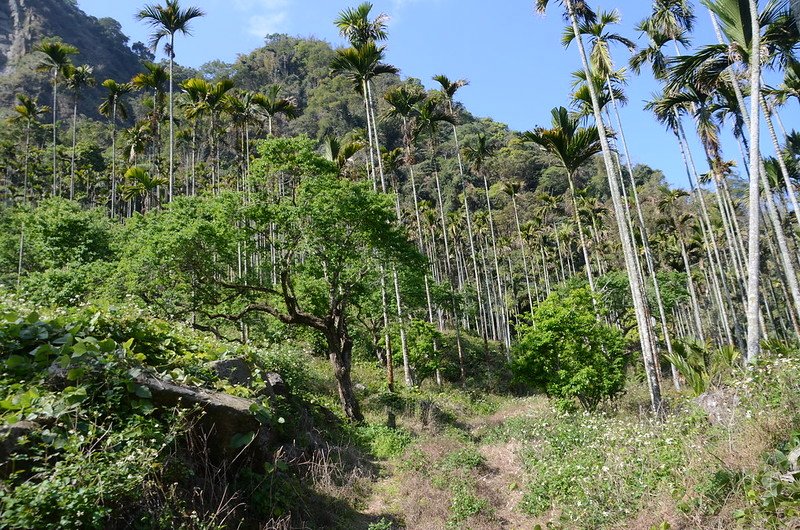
{"x": 569, "y": 353}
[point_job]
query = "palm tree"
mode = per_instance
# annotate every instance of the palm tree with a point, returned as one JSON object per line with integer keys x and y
{"x": 449, "y": 89}
{"x": 139, "y": 183}
{"x": 167, "y": 20}
{"x": 358, "y": 29}
{"x": 790, "y": 87}
{"x": 742, "y": 24}
{"x": 340, "y": 152}
{"x": 273, "y": 104}
{"x": 403, "y": 101}
{"x": 194, "y": 108}
{"x": 112, "y": 108}
{"x": 137, "y": 140}
{"x": 573, "y": 146}
{"x": 28, "y": 112}
{"x": 603, "y": 66}
{"x": 428, "y": 118}
{"x": 154, "y": 79}
{"x": 670, "y": 21}
{"x": 671, "y": 18}
{"x": 712, "y": 65}
{"x": 601, "y": 39}
{"x": 676, "y": 225}
{"x": 361, "y": 65}
{"x": 247, "y": 111}
{"x": 578, "y": 11}
{"x": 211, "y": 99}
{"x": 55, "y": 60}
{"x": 76, "y": 78}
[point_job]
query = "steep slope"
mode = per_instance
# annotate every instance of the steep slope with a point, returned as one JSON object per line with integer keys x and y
{"x": 24, "y": 23}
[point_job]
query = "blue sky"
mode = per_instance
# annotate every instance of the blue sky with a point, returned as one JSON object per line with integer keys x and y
{"x": 512, "y": 56}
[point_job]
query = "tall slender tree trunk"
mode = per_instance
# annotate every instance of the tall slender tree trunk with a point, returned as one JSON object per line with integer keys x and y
{"x": 524, "y": 254}
{"x": 587, "y": 261}
{"x": 505, "y": 325}
{"x": 645, "y": 237}
{"x": 469, "y": 226}
{"x": 753, "y": 247}
{"x": 637, "y": 291}
{"x": 692, "y": 292}
{"x": 171, "y": 116}
{"x": 27, "y": 162}
{"x": 114, "y": 158}
{"x": 74, "y": 143}
{"x": 21, "y": 250}
{"x": 55, "y": 138}
{"x": 781, "y": 162}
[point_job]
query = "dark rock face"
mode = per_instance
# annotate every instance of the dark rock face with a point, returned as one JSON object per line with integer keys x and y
{"x": 235, "y": 371}
{"x": 15, "y": 32}
{"x": 279, "y": 388}
{"x": 225, "y": 418}
{"x": 25, "y": 23}
{"x": 57, "y": 377}
{"x": 10, "y": 446}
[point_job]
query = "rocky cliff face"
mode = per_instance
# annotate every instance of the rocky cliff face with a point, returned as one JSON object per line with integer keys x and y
{"x": 16, "y": 34}
{"x": 24, "y": 23}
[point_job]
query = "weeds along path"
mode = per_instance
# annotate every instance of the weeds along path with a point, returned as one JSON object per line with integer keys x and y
{"x": 452, "y": 475}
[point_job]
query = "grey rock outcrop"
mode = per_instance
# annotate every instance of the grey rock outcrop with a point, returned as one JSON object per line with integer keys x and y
{"x": 236, "y": 371}
{"x": 10, "y": 445}
{"x": 225, "y": 418}
{"x": 275, "y": 381}
{"x": 25, "y": 23}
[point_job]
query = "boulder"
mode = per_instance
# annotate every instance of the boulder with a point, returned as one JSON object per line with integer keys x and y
{"x": 57, "y": 377}
{"x": 226, "y": 419}
{"x": 275, "y": 381}
{"x": 719, "y": 404}
{"x": 236, "y": 371}
{"x": 10, "y": 458}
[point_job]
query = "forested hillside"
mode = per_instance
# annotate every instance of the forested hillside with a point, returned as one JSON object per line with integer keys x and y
{"x": 301, "y": 290}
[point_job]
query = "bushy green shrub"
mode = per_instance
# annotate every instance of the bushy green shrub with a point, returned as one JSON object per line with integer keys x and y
{"x": 73, "y": 284}
{"x": 98, "y": 472}
{"x": 424, "y": 343}
{"x": 569, "y": 353}
{"x": 383, "y": 441}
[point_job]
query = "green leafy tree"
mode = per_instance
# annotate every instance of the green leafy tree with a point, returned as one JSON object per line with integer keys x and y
{"x": 423, "y": 354}
{"x": 570, "y": 353}
{"x": 329, "y": 237}
{"x": 573, "y": 146}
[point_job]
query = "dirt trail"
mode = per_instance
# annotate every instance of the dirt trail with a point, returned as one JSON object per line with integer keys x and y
{"x": 499, "y": 479}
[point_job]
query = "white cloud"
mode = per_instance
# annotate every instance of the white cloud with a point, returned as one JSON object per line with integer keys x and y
{"x": 263, "y": 17}
{"x": 263, "y": 25}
